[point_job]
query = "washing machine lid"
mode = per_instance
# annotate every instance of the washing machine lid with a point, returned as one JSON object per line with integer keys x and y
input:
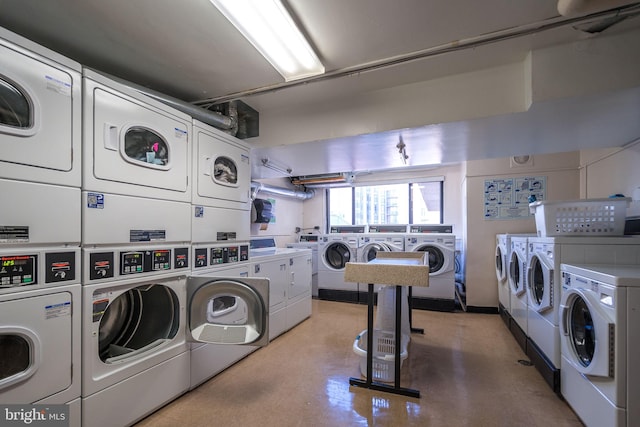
{"x": 501, "y": 272}
{"x": 253, "y": 294}
{"x": 517, "y": 269}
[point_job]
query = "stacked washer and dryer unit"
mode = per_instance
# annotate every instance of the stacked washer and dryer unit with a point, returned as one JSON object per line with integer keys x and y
{"x": 96, "y": 261}
{"x": 440, "y": 243}
{"x": 40, "y": 177}
{"x": 154, "y": 298}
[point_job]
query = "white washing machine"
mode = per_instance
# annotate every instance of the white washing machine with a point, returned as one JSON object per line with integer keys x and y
{"x": 140, "y": 311}
{"x": 517, "y": 278}
{"x": 503, "y": 252}
{"x": 40, "y": 134}
{"x": 544, "y": 279}
{"x": 380, "y": 238}
{"x": 599, "y": 315}
{"x": 334, "y": 252}
{"x": 441, "y": 249}
{"x": 502, "y": 262}
{"x": 40, "y": 324}
{"x": 221, "y": 186}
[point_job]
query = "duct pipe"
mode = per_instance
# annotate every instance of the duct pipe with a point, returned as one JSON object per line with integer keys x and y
{"x": 257, "y": 187}
{"x": 217, "y": 120}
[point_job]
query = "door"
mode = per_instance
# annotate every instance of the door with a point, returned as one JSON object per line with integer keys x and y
{"x": 336, "y": 255}
{"x": 588, "y": 335}
{"x": 516, "y": 274}
{"x": 36, "y": 345}
{"x": 437, "y": 258}
{"x": 214, "y": 302}
{"x": 300, "y": 271}
{"x": 501, "y": 272}
{"x": 540, "y": 284}
{"x": 135, "y": 145}
{"x": 222, "y": 169}
{"x": 39, "y": 116}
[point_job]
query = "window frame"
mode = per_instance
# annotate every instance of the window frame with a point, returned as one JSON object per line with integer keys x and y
{"x": 409, "y": 184}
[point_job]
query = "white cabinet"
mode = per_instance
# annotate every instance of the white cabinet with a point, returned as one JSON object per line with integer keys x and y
{"x": 276, "y": 269}
{"x": 299, "y": 292}
{"x": 289, "y": 273}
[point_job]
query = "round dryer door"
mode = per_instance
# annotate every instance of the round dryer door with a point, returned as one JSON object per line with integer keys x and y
{"x": 337, "y": 255}
{"x": 436, "y": 258}
{"x": 137, "y": 320}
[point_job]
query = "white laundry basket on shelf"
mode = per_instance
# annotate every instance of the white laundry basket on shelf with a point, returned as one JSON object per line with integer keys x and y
{"x": 588, "y": 217}
{"x": 383, "y": 358}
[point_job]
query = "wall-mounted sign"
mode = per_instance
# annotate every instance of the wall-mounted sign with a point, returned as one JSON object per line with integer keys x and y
{"x": 508, "y": 198}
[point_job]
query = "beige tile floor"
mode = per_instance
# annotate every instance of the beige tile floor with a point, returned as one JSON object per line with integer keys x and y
{"x": 465, "y": 367}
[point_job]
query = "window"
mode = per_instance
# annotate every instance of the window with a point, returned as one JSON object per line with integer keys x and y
{"x": 412, "y": 203}
{"x": 15, "y": 106}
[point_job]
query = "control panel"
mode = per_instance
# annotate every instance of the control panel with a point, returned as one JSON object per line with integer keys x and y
{"x": 220, "y": 254}
{"x": 108, "y": 264}
{"x": 38, "y": 267}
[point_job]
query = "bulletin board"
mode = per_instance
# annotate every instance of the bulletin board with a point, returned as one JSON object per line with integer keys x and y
{"x": 508, "y": 198}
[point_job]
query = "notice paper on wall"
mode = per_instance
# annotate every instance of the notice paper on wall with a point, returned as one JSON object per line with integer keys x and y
{"x": 509, "y": 198}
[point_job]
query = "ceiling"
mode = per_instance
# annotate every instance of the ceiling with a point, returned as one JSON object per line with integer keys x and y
{"x": 186, "y": 49}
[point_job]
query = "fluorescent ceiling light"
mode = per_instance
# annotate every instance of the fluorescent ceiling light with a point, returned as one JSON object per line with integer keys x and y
{"x": 271, "y": 30}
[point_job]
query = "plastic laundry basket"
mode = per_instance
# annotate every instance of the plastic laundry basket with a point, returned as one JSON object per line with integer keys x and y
{"x": 383, "y": 360}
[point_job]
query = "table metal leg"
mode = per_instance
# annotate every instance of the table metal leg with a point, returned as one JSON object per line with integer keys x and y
{"x": 375, "y": 385}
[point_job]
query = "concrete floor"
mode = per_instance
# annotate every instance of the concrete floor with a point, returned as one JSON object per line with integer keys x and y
{"x": 466, "y": 367}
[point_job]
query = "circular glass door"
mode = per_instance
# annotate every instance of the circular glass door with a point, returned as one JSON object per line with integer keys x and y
{"x": 436, "y": 257}
{"x": 15, "y": 106}
{"x": 536, "y": 279}
{"x": 499, "y": 264}
{"x": 371, "y": 251}
{"x": 514, "y": 273}
{"x": 337, "y": 255}
{"x": 582, "y": 334}
{"x": 139, "y": 318}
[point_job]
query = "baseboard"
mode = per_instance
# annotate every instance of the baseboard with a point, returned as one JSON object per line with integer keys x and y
{"x": 549, "y": 372}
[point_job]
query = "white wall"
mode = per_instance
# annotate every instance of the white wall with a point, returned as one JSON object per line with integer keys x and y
{"x": 563, "y": 182}
{"x": 288, "y": 214}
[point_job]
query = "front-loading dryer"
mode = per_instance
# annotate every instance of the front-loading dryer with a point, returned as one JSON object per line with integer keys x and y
{"x": 208, "y": 360}
{"x": 40, "y": 144}
{"x": 546, "y": 254}
{"x": 599, "y": 317}
{"x": 40, "y": 327}
{"x": 141, "y": 310}
{"x": 40, "y": 122}
{"x": 440, "y": 294}
{"x": 221, "y": 186}
{"x": 133, "y": 144}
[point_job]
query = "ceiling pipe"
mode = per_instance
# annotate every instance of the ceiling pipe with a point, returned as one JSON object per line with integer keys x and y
{"x": 454, "y": 46}
{"x": 228, "y": 124}
{"x": 258, "y": 187}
